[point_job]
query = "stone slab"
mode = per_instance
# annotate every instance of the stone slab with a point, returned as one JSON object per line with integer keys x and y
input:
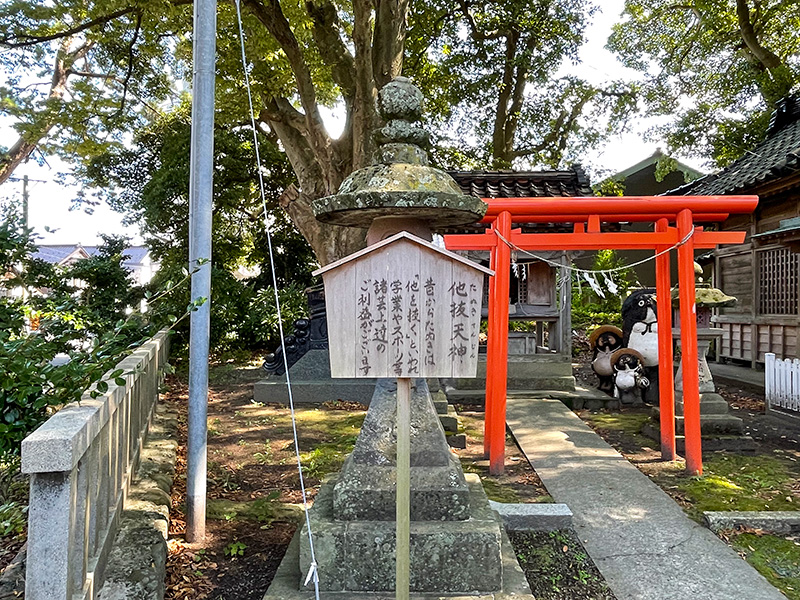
{"x": 644, "y": 545}
{"x": 714, "y": 425}
{"x": 783, "y": 522}
{"x": 315, "y": 392}
{"x": 312, "y": 383}
{"x": 449, "y": 421}
{"x": 533, "y": 517}
{"x": 740, "y": 444}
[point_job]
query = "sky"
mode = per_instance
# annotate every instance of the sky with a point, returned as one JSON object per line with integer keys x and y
{"x": 49, "y": 202}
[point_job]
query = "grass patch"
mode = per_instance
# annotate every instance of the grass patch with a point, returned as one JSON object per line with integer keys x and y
{"x": 776, "y": 558}
{"x": 327, "y": 458}
{"x": 628, "y": 423}
{"x": 264, "y": 510}
{"x": 500, "y": 493}
{"x": 734, "y": 482}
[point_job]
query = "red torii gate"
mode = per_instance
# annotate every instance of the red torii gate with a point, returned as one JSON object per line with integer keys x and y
{"x": 586, "y": 214}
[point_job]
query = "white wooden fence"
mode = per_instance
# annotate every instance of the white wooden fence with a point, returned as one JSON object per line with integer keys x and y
{"x": 782, "y": 383}
{"x": 81, "y": 461}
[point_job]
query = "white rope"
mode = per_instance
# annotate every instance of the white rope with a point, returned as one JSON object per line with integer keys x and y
{"x": 313, "y": 574}
{"x": 553, "y": 263}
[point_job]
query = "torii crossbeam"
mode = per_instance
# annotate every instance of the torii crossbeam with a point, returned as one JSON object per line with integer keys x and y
{"x": 674, "y": 218}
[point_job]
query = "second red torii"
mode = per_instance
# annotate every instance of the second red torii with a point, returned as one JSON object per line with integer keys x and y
{"x": 586, "y": 214}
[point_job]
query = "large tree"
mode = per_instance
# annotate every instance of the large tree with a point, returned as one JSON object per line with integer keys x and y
{"x": 497, "y": 72}
{"x": 715, "y": 68}
{"x": 116, "y": 58}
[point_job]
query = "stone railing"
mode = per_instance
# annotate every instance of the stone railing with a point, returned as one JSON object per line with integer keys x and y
{"x": 80, "y": 463}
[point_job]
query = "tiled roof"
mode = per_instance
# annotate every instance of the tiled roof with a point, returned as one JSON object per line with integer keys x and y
{"x": 776, "y": 157}
{"x": 523, "y": 184}
{"x": 56, "y": 253}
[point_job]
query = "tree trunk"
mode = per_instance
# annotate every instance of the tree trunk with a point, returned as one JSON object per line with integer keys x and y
{"x": 26, "y": 144}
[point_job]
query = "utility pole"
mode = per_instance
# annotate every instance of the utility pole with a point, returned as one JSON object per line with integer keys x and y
{"x": 201, "y": 180}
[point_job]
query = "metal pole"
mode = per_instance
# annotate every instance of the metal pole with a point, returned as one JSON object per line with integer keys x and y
{"x": 25, "y": 201}
{"x": 200, "y": 199}
{"x": 403, "y": 508}
{"x": 666, "y": 384}
{"x": 691, "y": 374}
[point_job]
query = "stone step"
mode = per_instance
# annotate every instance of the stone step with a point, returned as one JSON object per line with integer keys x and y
{"x": 740, "y": 444}
{"x": 576, "y": 398}
{"x": 555, "y": 382}
{"x": 450, "y": 420}
{"x": 714, "y": 425}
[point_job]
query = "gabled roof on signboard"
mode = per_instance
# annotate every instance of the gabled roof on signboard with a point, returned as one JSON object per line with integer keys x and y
{"x": 524, "y": 184}
{"x": 411, "y": 238}
{"x": 777, "y": 157}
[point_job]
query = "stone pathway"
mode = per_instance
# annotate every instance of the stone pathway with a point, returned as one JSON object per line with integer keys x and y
{"x": 639, "y": 538}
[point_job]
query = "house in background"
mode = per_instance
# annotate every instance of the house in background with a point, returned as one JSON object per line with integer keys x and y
{"x": 764, "y": 272}
{"x": 641, "y": 180}
{"x": 139, "y": 261}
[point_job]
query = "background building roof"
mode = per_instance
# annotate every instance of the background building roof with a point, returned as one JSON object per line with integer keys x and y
{"x": 524, "y": 184}
{"x": 778, "y": 156}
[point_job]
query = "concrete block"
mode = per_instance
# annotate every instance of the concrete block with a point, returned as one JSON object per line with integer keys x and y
{"x": 780, "y": 522}
{"x": 533, "y": 517}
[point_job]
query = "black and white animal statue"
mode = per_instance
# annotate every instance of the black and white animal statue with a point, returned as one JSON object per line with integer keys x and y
{"x": 640, "y": 333}
{"x": 604, "y": 341}
{"x": 630, "y": 381}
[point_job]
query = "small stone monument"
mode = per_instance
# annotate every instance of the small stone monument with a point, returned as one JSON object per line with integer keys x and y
{"x": 402, "y": 308}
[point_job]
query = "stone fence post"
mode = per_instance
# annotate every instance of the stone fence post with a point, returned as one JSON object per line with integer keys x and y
{"x": 80, "y": 462}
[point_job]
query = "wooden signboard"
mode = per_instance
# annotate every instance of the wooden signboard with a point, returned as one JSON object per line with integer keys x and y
{"x": 403, "y": 308}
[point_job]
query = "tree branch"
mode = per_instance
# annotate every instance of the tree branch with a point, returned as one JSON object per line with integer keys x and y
{"x": 271, "y": 15}
{"x": 33, "y": 40}
{"x": 389, "y": 38}
{"x": 363, "y": 118}
{"x": 767, "y": 58}
{"x": 327, "y": 35}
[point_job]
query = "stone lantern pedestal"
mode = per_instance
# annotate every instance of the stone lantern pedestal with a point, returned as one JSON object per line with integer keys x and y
{"x": 715, "y": 418}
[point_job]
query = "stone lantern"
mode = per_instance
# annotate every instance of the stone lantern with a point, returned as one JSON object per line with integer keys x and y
{"x": 714, "y": 415}
{"x": 457, "y": 543}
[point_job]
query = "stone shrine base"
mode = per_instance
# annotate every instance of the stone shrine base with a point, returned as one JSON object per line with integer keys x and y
{"x": 349, "y": 552}
{"x": 312, "y": 383}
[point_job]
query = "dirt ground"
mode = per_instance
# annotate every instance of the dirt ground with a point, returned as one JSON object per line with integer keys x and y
{"x": 254, "y": 497}
{"x": 254, "y": 502}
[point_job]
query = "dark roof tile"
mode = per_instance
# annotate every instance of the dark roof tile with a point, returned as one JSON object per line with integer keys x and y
{"x": 523, "y": 184}
{"x": 776, "y": 157}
